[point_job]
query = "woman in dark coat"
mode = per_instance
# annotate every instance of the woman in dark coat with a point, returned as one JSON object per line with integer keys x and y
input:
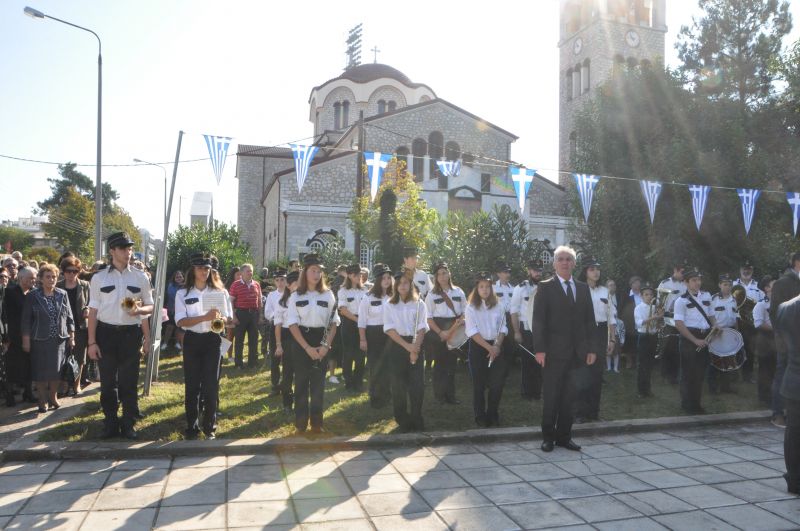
{"x": 18, "y": 363}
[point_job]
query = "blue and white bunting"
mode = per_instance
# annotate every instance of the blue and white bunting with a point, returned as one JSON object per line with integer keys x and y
{"x": 303, "y": 155}
{"x": 218, "y": 151}
{"x": 749, "y": 198}
{"x": 794, "y": 201}
{"x": 699, "y": 202}
{"x": 376, "y": 163}
{"x": 586, "y": 184}
{"x": 449, "y": 168}
{"x": 651, "y": 191}
{"x": 522, "y": 178}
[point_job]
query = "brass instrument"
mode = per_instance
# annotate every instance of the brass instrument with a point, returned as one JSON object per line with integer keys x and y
{"x": 658, "y": 306}
{"x": 744, "y": 304}
{"x": 129, "y": 303}
{"x": 218, "y": 325}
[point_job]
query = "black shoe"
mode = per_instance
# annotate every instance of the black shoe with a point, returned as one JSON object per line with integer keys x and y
{"x": 110, "y": 432}
{"x": 210, "y": 436}
{"x": 547, "y": 446}
{"x": 570, "y": 445}
{"x": 580, "y": 420}
{"x": 190, "y": 435}
{"x": 129, "y": 433}
{"x": 139, "y": 416}
{"x": 42, "y": 409}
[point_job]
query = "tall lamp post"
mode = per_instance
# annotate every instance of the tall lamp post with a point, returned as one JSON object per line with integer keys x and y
{"x": 98, "y": 188}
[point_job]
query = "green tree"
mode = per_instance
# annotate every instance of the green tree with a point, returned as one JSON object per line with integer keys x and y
{"x": 17, "y": 239}
{"x": 70, "y": 177}
{"x": 48, "y": 254}
{"x": 71, "y": 223}
{"x": 219, "y": 239}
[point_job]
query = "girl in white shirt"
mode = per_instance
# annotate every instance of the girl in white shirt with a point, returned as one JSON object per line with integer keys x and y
{"x": 405, "y": 322}
{"x": 284, "y": 340}
{"x": 486, "y": 328}
{"x": 353, "y": 357}
{"x": 372, "y": 337}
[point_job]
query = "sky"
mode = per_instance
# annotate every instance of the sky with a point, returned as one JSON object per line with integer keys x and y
{"x": 245, "y": 69}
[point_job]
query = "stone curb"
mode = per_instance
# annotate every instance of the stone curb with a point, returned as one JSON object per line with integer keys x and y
{"x": 28, "y": 449}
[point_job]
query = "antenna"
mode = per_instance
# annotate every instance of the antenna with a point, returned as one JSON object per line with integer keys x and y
{"x": 353, "y": 47}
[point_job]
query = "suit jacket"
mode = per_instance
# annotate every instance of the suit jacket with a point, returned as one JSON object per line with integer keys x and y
{"x": 785, "y": 288}
{"x": 787, "y": 326}
{"x": 36, "y": 319}
{"x": 562, "y": 328}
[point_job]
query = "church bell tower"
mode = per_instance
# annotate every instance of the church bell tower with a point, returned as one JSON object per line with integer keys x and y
{"x": 598, "y": 38}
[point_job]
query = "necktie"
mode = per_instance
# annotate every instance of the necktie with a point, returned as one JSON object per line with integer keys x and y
{"x": 569, "y": 291}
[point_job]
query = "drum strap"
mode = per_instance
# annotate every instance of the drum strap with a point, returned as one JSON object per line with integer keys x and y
{"x": 700, "y": 309}
{"x": 449, "y": 302}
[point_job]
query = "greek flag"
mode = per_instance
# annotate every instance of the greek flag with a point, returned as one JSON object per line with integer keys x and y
{"x": 586, "y": 184}
{"x": 749, "y": 198}
{"x": 218, "y": 151}
{"x": 449, "y": 168}
{"x": 699, "y": 202}
{"x": 303, "y": 155}
{"x": 522, "y": 178}
{"x": 651, "y": 191}
{"x": 794, "y": 202}
{"x": 376, "y": 163}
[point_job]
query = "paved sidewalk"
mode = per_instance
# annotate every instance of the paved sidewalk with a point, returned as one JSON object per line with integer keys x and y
{"x": 723, "y": 477}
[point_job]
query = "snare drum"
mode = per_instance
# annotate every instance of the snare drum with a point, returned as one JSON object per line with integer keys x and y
{"x": 459, "y": 337}
{"x": 726, "y": 350}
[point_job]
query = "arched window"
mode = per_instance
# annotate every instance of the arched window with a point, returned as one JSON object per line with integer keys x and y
{"x": 573, "y": 147}
{"x": 392, "y": 105}
{"x": 345, "y": 113}
{"x": 419, "y": 148}
{"x": 402, "y": 154}
{"x": 381, "y": 106}
{"x": 337, "y": 116}
{"x": 452, "y": 151}
{"x": 576, "y": 81}
{"x": 435, "y": 151}
{"x": 569, "y": 84}
{"x": 585, "y": 76}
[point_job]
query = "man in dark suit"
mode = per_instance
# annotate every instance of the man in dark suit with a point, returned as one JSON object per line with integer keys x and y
{"x": 787, "y": 326}
{"x": 562, "y": 319}
{"x": 785, "y": 288}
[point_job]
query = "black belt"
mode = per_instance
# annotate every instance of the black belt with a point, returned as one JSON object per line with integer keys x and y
{"x": 101, "y": 324}
{"x": 250, "y": 310}
{"x": 307, "y": 329}
{"x": 208, "y": 334}
{"x": 602, "y": 323}
{"x": 698, "y": 332}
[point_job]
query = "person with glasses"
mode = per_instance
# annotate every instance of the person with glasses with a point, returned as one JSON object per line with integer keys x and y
{"x": 11, "y": 267}
{"x": 78, "y": 295}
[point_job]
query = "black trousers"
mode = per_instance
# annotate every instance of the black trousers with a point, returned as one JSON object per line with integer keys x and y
{"x": 645, "y": 356}
{"x": 531, "y": 383}
{"x": 693, "y": 369}
{"x": 248, "y": 324}
{"x": 767, "y": 364}
{"x": 749, "y": 335}
{"x": 408, "y": 386}
{"x": 590, "y": 377}
{"x": 264, "y": 331}
{"x": 353, "y": 358}
{"x": 559, "y": 394}
{"x": 484, "y": 377}
{"x": 287, "y": 341}
{"x": 671, "y": 359}
{"x": 309, "y": 381}
{"x": 444, "y": 368}
{"x": 791, "y": 444}
{"x": 201, "y": 363}
{"x": 379, "y": 371}
{"x": 274, "y": 363}
{"x": 119, "y": 372}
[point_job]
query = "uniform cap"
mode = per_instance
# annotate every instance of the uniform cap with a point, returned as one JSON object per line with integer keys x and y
{"x": 483, "y": 275}
{"x": 502, "y": 267}
{"x": 535, "y": 264}
{"x": 440, "y": 265}
{"x": 380, "y": 269}
{"x": 119, "y": 239}
{"x": 279, "y": 273}
{"x": 647, "y": 286}
{"x": 353, "y": 269}
{"x": 312, "y": 259}
{"x": 294, "y": 276}
{"x": 200, "y": 259}
{"x": 724, "y": 277}
{"x": 692, "y": 272}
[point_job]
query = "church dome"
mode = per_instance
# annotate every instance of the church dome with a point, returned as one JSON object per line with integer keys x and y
{"x": 370, "y": 72}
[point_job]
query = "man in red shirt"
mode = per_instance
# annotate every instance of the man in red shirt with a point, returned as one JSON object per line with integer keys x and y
{"x": 246, "y": 296}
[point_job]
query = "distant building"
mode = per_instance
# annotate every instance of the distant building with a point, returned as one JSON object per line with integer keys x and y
{"x": 33, "y": 226}
{"x": 202, "y": 211}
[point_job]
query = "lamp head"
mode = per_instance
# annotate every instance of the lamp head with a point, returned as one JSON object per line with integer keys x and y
{"x": 33, "y": 13}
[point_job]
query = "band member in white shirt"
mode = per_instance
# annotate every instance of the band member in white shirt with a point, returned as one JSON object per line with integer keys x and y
{"x": 421, "y": 280}
{"x": 670, "y": 360}
{"x": 485, "y": 321}
{"x": 766, "y": 350}
{"x": 405, "y": 322}
{"x": 270, "y": 305}
{"x": 726, "y": 314}
{"x": 284, "y": 340}
{"x": 749, "y": 334}
{"x": 646, "y": 318}
{"x": 445, "y": 311}
{"x": 353, "y": 358}
{"x": 504, "y": 291}
{"x": 521, "y": 319}
{"x": 197, "y": 306}
{"x": 372, "y": 338}
{"x": 312, "y": 319}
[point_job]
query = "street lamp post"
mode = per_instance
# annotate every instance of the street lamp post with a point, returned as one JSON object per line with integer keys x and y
{"x": 140, "y": 161}
{"x": 98, "y": 188}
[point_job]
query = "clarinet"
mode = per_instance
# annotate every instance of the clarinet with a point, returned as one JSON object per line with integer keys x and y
{"x": 499, "y": 325}
{"x": 414, "y": 333}
{"x": 324, "y": 342}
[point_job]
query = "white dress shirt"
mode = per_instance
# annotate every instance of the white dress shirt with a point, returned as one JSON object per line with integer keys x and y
{"x": 196, "y": 303}
{"x": 691, "y": 316}
{"x": 312, "y": 309}
{"x": 761, "y": 314}
{"x": 637, "y": 298}
{"x": 504, "y": 293}
{"x": 522, "y": 303}
{"x": 437, "y": 307}
{"x": 604, "y": 311}
{"x": 272, "y": 303}
{"x": 725, "y": 311}
{"x": 485, "y": 321}
{"x": 400, "y": 317}
{"x": 640, "y": 315}
{"x": 571, "y": 282}
{"x": 279, "y": 316}
{"x": 753, "y": 291}
{"x": 370, "y": 311}
{"x": 676, "y": 288}
{"x": 350, "y": 298}
{"x": 110, "y": 286}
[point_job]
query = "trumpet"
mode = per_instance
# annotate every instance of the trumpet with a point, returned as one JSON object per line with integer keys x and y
{"x": 129, "y": 303}
{"x": 218, "y": 325}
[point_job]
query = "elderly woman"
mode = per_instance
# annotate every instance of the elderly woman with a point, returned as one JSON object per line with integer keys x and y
{"x": 18, "y": 364}
{"x": 47, "y": 329}
{"x": 78, "y": 295}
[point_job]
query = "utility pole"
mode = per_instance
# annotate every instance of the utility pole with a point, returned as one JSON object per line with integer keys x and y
{"x": 359, "y": 178}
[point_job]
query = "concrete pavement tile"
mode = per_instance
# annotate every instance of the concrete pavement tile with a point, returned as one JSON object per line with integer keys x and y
{"x": 652, "y": 502}
{"x": 541, "y": 515}
{"x": 488, "y": 476}
{"x": 14, "y": 468}
{"x": 680, "y": 445}
{"x": 366, "y": 467}
{"x": 540, "y": 472}
{"x": 379, "y": 484}
{"x": 777, "y": 464}
{"x": 253, "y": 460}
{"x": 452, "y": 449}
{"x": 10, "y": 503}
{"x": 749, "y": 470}
{"x": 255, "y": 473}
{"x": 752, "y": 518}
{"x": 324, "y": 509}
{"x": 434, "y": 480}
{"x": 320, "y": 469}
{"x": 653, "y": 436}
{"x": 712, "y": 456}
{"x": 425, "y": 521}
{"x": 631, "y": 463}
{"x": 304, "y": 488}
{"x": 142, "y": 464}
{"x": 750, "y": 453}
{"x": 123, "y": 519}
{"x": 753, "y": 491}
{"x": 618, "y": 439}
{"x": 478, "y": 519}
{"x": 86, "y": 465}
{"x": 514, "y": 457}
{"x": 339, "y": 525}
{"x": 199, "y": 461}
{"x": 394, "y": 453}
{"x": 273, "y": 490}
{"x": 775, "y": 448}
{"x": 603, "y": 450}
{"x": 778, "y": 484}
{"x": 559, "y": 454}
{"x": 693, "y": 520}
{"x": 22, "y": 482}
{"x": 462, "y": 461}
{"x": 457, "y": 498}
{"x": 51, "y": 522}
{"x": 191, "y": 517}
{"x": 346, "y": 456}
{"x": 789, "y": 509}
{"x": 194, "y": 476}
{"x": 60, "y": 501}
{"x": 672, "y": 460}
{"x": 511, "y": 493}
{"x": 128, "y": 498}
{"x": 586, "y": 467}
{"x": 634, "y": 524}
{"x": 600, "y": 509}
{"x": 202, "y": 494}
{"x": 418, "y": 464}
{"x": 704, "y": 496}
{"x": 663, "y": 479}
{"x": 707, "y": 474}
{"x": 488, "y": 448}
{"x": 295, "y": 456}
{"x": 752, "y": 440}
{"x": 643, "y": 448}
{"x": 130, "y": 479}
{"x": 260, "y": 513}
{"x": 74, "y": 481}
{"x": 717, "y": 442}
{"x": 393, "y": 503}
{"x": 566, "y": 488}
{"x": 614, "y": 483}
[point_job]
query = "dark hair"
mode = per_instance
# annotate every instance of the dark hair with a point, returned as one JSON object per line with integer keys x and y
{"x": 70, "y": 261}
{"x": 230, "y": 278}
{"x": 412, "y": 292}
{"x": 348, "y": 284}
{"x": 794, "y": 258}
{"x": 475, "y": 299}
{"x": 302, "y": 286}
{"x": 172, "y": 278}
{"x": 377, "y": 291}
{"x": 213, "y": 280}
{"x": 437, "y": 289}
{"x": 765, "y": 282}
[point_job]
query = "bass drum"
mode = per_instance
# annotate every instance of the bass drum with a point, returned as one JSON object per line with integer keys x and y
{"x": 726, "y": 350}
{"x": 459, "y": 338}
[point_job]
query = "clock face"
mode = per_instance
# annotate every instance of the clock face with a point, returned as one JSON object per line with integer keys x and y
{"x": 578, "y": 46}
{"x": 632, "y": 38}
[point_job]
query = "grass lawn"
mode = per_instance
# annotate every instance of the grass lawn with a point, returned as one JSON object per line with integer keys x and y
{"x": 247, "y": 412}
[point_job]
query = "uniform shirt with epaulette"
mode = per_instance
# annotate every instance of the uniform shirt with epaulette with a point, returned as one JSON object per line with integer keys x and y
{"x": 488, "y": 322}
{"x": 404, "y": 317}
{"x": 753, "y": 291}
{"x": 437, "y": 305}
{"x": 194, "y": 304}
{"x": 110, "y": 286}
{"x": 422, "y": 282}
{"x": 522, "y": 303}
{"x": 370, "y": 311}
{"x": 350, "y": 298}
{"x": 689, "y": 312}
{"x": 504, "y": 294}
{"x": 312, "y": 309}
{"x": 725, "y": 311}
{"x": 604, "y": 311}
{"x": 676, "y": 288}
